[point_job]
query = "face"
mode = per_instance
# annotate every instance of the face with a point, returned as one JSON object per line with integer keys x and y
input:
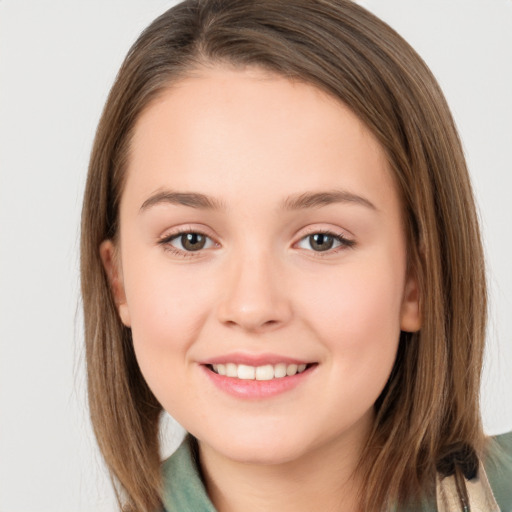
{"x": 261, "y": 264}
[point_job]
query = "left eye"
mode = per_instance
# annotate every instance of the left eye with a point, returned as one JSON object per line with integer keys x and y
{"x": 321, "y": 242}
{"x": 189, "y": 242}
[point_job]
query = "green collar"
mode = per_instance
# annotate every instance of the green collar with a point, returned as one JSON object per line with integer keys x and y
{"x": 183, "y": 488}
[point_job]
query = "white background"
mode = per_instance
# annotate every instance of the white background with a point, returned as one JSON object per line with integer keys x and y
{"x": 57, "y": 62}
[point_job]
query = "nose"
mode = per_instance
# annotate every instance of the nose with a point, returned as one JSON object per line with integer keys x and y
{"x": 254, "y": 297}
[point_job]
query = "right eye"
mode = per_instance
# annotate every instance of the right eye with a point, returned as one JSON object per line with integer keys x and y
{"x": 187, "y": 242}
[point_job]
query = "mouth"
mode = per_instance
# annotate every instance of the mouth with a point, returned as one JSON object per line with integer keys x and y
{"x": 244, "y": 381}
{"x": 261, "y": 373}
{"x": 257, "y": 376}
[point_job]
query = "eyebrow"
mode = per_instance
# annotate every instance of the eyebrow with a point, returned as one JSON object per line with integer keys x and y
{"x": 191, "y": 199}
{"x": 319, "y": 199}
{"x": 295, "y": 202}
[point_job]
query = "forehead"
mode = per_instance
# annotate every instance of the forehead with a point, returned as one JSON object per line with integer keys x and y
{"x": 222, "y": 129}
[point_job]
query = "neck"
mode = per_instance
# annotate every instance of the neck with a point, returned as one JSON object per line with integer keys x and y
{"x": 323, "y": 479}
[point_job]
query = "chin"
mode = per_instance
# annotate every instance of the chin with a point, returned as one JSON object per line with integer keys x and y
{"x": 257, "y": 446}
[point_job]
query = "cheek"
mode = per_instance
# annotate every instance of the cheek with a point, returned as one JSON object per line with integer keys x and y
{"x": 167, "y": 312}
{"x": 168, "y": 307}
{"x": 356, "y": 314}
{"x": 358, "y": 301}
{"x": 360, "y": 328}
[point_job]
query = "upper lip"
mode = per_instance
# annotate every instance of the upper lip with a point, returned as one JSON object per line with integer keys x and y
{"x": 253, "y": 359}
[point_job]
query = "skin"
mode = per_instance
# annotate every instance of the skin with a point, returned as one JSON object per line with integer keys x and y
{"x": 250, "y": 140}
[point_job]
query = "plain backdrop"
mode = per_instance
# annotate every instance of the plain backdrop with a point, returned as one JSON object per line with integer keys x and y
{"x": 58, "y": 60}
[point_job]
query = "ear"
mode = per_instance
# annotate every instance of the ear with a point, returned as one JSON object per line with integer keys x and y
{"x": 111, "y": 263}
{"x": 410, "y": 317}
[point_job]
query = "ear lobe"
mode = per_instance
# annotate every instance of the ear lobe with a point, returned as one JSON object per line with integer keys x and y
{"x": 410, "y": 318}
{"x": 114, "y": 272}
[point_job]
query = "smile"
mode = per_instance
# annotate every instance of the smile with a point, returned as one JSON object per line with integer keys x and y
{"x": 265, "y": 372}
{"x": 260, "y": 381}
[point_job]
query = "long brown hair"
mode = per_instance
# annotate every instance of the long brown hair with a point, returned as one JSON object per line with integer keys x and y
{"x": 428, "y": 414}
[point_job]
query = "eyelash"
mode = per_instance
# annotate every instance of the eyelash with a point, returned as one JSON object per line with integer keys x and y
{"x": 345, "y": 243}
{"x": 165, "y": 242}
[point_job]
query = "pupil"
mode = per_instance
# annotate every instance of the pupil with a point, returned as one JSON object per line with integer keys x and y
{"x": 193, "y": 241}
{"x": 321, "y": 242}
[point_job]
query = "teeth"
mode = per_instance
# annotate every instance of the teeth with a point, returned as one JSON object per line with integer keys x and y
{"x": 231, "y": 370}
{"x": 246, "y": 372}
{"x": 266, "y": 372}
{"x": 291, "y": 369}
{"x": 280, "y": 370}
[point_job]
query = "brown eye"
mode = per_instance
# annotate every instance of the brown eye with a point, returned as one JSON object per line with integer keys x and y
{"x": 187, "y": 242}
{"x": 324, "y": 242}
{"x": 193, "y": 241}
{"x": 321, "y": 241}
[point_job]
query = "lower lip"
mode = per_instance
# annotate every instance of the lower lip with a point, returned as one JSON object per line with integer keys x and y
{"x": 253, "y": 389}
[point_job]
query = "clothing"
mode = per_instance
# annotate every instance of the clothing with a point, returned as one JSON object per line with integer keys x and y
{"x": 185, "y": 492}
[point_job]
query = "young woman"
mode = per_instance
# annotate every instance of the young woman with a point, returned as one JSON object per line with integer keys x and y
{"x": 280, "y": 249}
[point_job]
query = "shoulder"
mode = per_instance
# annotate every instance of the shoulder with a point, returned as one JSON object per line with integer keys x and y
{"x": 498, "y": 466}
{"x": 184, "y": 490}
